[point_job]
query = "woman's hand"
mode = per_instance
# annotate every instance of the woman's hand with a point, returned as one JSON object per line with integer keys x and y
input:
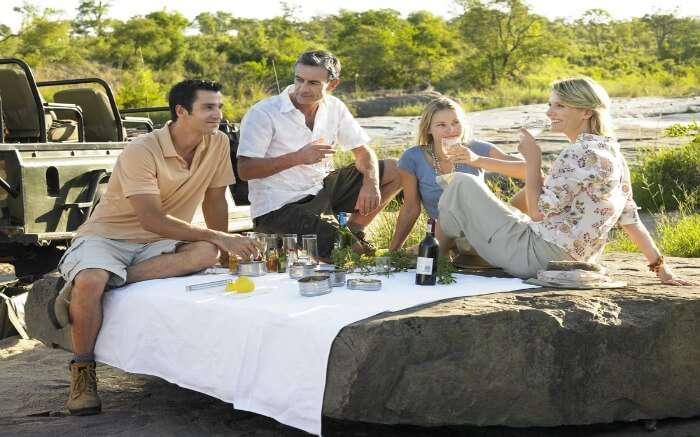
{"x": 528, "y": 147}
{"x": 669, "y": 278}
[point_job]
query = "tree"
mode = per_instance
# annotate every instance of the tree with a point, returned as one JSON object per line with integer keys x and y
{"x": 506, "y": 35}
{"x": 91, "y": 18}
{"x": 157, "y": 39}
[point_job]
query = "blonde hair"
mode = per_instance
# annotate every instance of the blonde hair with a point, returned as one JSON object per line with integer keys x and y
{"x": 585, "y": 93}
{"x": 424, "y": 137}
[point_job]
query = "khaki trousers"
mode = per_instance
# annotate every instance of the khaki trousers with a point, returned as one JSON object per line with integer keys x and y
{"x": 498, "y": 232}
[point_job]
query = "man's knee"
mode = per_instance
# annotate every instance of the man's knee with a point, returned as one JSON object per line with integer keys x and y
{"x": 202, "y": 253}
{"x": 90, "y": 283}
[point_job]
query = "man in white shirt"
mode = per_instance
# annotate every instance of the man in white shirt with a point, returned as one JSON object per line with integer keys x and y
{"x": 285, "y": 152}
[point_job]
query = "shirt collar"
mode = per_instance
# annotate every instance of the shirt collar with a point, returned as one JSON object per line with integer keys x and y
{"x": 165, "y": 140}
{"x": 287, "y": 105}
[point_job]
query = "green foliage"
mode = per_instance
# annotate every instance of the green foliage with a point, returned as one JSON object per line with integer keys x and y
{"x": 494, "y": 53}
{"x": 677, "y": 235}
{"x": 139, "y": 89}
{"x": 682, "y": 130}
{"x": 680, "y": 237}
{"x": 666, "y": 177}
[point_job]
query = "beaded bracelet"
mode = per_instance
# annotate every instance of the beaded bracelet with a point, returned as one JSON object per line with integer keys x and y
{"x": 656, "y": 265}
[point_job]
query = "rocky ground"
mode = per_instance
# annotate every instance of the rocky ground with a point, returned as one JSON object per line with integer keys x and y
{"x": 34, "y": 378}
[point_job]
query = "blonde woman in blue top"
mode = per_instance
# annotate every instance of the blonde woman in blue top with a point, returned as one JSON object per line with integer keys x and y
{"x": 443, "y": 122}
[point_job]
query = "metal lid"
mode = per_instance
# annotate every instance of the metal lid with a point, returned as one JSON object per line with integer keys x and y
{"x": 314, "y": 285}
{"x": 364, "y": 284}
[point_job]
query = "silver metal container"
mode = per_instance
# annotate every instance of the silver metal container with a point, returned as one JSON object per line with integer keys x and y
{"x": 301, "y": 270}
{"x": 314, "y": 285}
{"x": 337, "y": 277}
{"x": 251, "y": 268}
{"x": 363, "y": 284}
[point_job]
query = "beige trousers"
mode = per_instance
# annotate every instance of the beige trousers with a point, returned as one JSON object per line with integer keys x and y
{"x": 498, "y": 232}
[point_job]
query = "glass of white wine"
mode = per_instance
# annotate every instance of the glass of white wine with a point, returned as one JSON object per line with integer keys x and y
{"x": 536, "y": 125}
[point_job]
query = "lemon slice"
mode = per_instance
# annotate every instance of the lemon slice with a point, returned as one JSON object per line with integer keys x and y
{"x": 244, "y": 284}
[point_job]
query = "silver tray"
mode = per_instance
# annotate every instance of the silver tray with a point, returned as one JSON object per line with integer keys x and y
{"x": 251, "y": 268}
{"x": 364, "y": 284}
{"x": 315, "y": 285}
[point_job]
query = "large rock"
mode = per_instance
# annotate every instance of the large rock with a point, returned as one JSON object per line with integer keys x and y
{"x": 532, "y": 358}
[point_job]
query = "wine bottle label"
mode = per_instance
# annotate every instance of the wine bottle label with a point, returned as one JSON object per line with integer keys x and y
{"x": 424, "y": 266}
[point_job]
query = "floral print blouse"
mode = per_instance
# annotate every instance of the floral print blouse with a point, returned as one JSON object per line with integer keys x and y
{"x": 586, "y": 193}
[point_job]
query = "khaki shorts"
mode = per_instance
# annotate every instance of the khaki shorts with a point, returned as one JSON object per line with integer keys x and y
{"x": 113, "y": 256}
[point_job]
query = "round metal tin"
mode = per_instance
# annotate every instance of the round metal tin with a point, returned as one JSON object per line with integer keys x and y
{"x": 314, "y": 285}
{"x": 299, "y": 270}
{"x": 364, "y": 284}
{"x": 251, "y": 268}
{"x": 337, "y": 277}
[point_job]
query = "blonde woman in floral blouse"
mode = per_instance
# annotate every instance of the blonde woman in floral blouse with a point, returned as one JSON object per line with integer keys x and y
{"x": 570, "y": 211}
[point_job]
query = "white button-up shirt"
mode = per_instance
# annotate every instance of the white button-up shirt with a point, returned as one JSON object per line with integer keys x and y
{"x": 275, "y": 127}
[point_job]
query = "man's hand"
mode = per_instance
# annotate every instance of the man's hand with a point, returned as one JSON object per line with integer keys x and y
{"x": 368, "y": 199}
{"x": 238, "y": 245}
{"x": 314, "y": 152}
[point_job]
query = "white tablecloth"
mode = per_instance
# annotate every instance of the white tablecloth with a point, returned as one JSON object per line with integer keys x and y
{"x": 266, "y": 352}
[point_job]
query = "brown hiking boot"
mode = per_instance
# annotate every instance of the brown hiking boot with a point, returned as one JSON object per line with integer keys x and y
{"x": 83, "y": 399}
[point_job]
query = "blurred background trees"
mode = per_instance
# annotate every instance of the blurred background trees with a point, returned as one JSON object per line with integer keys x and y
{"x": 496, "y": 52}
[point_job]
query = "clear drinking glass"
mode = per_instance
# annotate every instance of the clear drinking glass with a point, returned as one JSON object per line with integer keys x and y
{"x": 382, "y": 264}
{"x": 261, "y": 240}
{"x": 309, "y": 248}
{"x": 327, "y": 163}
{"x": 536, "y": 125}
{"x": 451, "y": 145}
{"x": 289, "y": 244}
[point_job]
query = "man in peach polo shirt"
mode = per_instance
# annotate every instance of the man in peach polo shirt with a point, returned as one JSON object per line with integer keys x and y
{"x": 141, "y": 229}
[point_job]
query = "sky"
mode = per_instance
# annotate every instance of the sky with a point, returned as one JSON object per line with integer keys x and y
{"x": 124, "y": 9}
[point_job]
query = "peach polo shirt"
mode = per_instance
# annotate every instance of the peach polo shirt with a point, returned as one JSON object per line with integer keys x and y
{"x": 150, "y": 165}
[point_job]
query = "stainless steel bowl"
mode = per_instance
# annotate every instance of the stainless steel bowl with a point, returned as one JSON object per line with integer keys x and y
{"x": 337, "y": 277}
{"x": 251, "y": 268}
{"x": 301, "y": 270}
{"x": 315, "y": 285}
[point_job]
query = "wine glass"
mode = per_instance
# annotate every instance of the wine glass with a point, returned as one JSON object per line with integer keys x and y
{"x": 536, "y": 125}
{"x": 450, "y": 145}
{"x": 327, "y": 162}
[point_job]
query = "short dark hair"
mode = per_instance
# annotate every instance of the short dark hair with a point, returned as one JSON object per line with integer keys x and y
{"x": 323, "y": 59}
{"x": 183, "y": 93}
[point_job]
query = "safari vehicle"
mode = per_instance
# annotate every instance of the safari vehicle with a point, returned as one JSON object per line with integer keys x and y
{"x": 56, "y": 158}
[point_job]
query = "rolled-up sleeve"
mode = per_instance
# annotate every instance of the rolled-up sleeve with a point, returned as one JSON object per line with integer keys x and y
{"x": 350, "y": 133}
{"x": 256, "y": 134}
